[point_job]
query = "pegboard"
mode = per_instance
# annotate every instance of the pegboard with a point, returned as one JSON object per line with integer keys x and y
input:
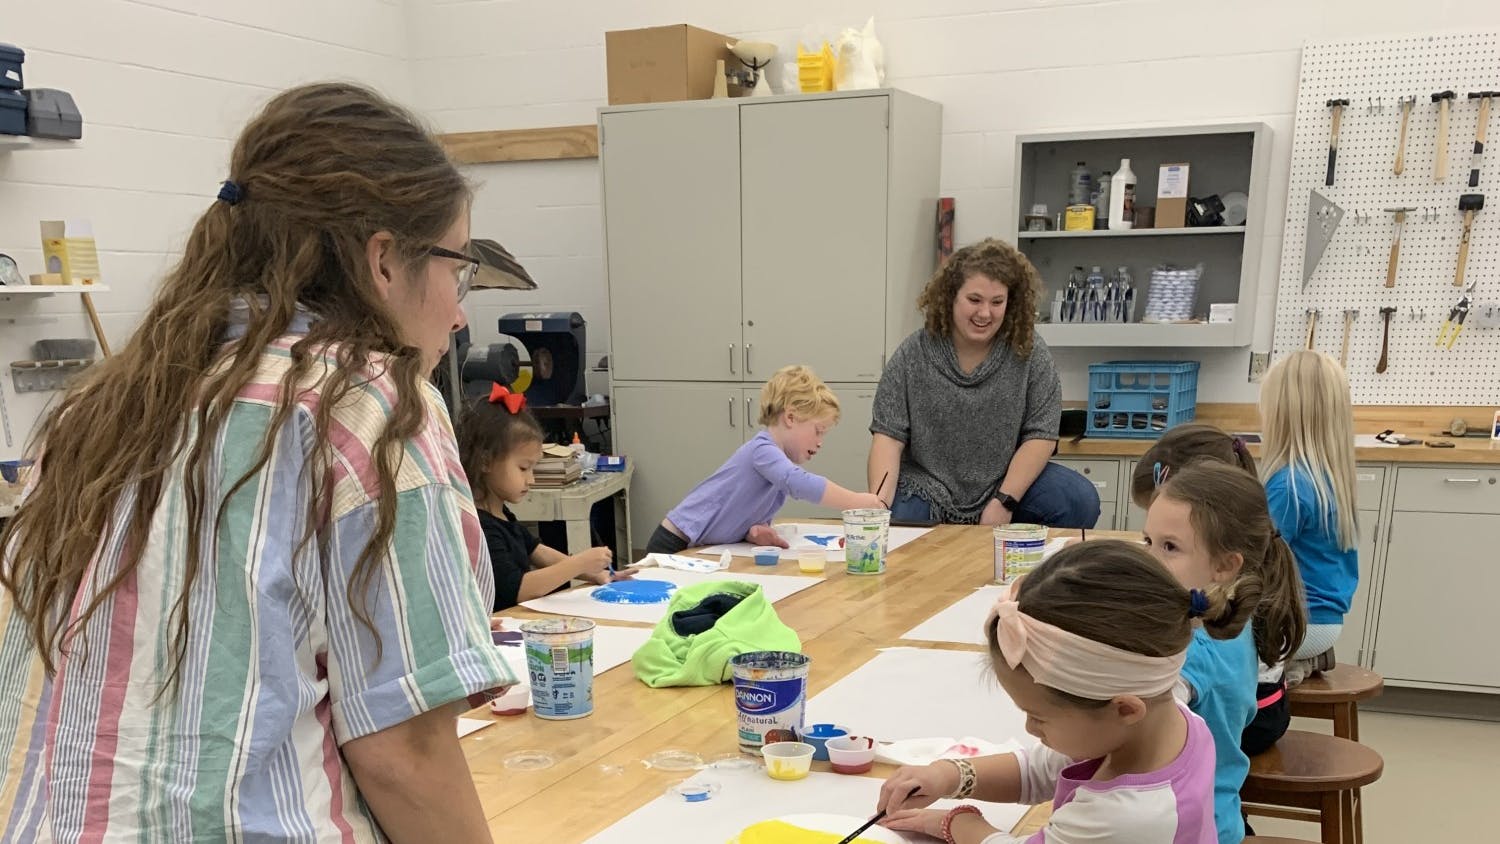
{"x": 1373, "y": 74}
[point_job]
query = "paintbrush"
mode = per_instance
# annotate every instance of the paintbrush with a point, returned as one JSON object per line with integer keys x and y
{"x": 878, "y": 815}
{"x": 881, "y": 486}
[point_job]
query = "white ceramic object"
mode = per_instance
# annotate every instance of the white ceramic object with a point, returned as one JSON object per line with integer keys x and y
{"x": 757, "y": 55}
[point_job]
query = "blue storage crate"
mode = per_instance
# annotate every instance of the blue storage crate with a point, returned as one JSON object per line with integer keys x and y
{"x": 1141, "y": 399}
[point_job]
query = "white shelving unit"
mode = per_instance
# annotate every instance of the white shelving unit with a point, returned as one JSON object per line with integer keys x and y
{"x": 1066, "y": 235}
{"x": 23, "y": 292}
{"x": 1224, "y": 157}
{"x": 11, "y": 143}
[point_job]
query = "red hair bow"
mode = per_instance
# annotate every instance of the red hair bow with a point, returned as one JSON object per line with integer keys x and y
{"x": 514, "y": 402}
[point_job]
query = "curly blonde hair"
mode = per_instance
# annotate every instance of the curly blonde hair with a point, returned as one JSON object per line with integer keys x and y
{"x": 798, "y": 389}
{"x": 1003, "y": 263}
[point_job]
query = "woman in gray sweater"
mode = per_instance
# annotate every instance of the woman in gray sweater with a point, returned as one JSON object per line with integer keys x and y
{"x": 967, "y": 410}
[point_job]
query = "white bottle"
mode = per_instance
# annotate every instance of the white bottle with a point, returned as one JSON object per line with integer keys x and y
{"x": 1122, "y": 197}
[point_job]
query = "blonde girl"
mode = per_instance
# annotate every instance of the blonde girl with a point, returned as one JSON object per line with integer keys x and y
{"x": 1307, "y": 463}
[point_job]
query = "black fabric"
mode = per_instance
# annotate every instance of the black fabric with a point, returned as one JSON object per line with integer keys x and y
{"x": 664, "y": 541}
{"x": 510, "y": 545}
{"x": 1270, "y": 722}
{"x": 702, "y": 618}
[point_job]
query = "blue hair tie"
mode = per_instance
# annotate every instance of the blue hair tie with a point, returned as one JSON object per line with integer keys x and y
{"x": 231, "y": 193}
{"x": 1199, "y": 603}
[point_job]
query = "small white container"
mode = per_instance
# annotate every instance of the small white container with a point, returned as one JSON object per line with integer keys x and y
{"x": 787, "y": 760}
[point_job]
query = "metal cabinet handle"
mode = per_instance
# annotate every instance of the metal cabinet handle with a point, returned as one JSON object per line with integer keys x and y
{"x": 731, "y": 412}
{"x": 1460, "y": 480}
{"x": 731, "y": 361}
{"x": 747, "y": 358}
{"x": 748, "y": 423}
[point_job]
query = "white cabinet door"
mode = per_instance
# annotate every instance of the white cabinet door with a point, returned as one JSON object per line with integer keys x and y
{"x": 672, "y": 225}
{"x": 813, "y": 199}
{"x": 1104, "y": 474}
{"x": 1350, "y": 646}
{"x": 677, "y": 436}
{"x": 1437, "y": 600}
{"x": 846, "y": 448}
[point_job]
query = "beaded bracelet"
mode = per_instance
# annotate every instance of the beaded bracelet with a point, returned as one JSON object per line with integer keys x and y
{"x": 967, "y": 779}
{"x": 953, "y": 815}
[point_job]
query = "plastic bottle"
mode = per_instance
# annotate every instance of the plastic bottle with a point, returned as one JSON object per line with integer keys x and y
{"x": 1094, "y": 310}
{"x": 578, "y": 447}
{"x": 1122, "y": 197}
{"x": 1101, "y": 202}
{"x": 1081, "y": 186}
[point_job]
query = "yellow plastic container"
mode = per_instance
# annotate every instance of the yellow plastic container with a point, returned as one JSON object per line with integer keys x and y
{"x": 815, "y": 70}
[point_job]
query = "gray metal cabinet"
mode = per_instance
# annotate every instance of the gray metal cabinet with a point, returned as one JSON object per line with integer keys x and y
{"x": 1437, "y": 618}
{"x": 672, "y": 243}
{"x": 1105, "y": 476}
{"x": 677, "y": 435}
{"x": 814, "y": 183}
{"x": 1353, "y": 644}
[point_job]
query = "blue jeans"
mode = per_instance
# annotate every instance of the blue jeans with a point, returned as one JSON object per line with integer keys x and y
{"x": 1059, "y": 497}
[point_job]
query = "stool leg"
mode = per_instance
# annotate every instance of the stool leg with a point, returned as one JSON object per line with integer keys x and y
{"x": 1359, "y": 817}
{"x": 1343, "y": 721}
{"x": 1331, "y": 815}
{"x": 1354, "y": 722}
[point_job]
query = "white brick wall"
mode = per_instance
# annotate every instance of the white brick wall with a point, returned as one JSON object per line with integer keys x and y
{"x": 164, "y": 86}
{"x": 998, "y": 67}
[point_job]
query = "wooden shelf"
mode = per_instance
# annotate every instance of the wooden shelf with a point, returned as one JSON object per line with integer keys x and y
{"x": 549, "y": 144}
{"x": 1184, "y": 232}
{"x": 12, "y": 143}
{"x": 1139, "y": 334}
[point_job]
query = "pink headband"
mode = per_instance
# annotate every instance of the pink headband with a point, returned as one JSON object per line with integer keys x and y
{"x": 1076, "y": 665}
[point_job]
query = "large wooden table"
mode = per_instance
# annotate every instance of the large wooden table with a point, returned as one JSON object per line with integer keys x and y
{"x": 599, "y": 778}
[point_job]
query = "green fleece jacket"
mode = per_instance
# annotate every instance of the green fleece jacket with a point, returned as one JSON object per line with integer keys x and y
{"x": 669, "y": 659}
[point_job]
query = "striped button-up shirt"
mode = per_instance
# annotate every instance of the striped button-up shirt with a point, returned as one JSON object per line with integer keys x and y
{"x": 277, "y": 670}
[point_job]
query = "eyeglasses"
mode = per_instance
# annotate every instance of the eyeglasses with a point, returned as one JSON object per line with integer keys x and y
{"x": 466, "y": 274}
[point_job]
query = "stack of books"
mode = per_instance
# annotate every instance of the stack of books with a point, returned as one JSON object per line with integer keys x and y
{"x": 558, "y": 467}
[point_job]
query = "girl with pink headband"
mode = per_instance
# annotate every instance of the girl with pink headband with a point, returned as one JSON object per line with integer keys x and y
{"x": 1090, "y": 646}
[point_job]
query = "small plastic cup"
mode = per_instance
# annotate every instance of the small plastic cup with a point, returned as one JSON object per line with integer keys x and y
{"x": 818, "y": 735}
{"x": 812, "y": 561}
{"x": 788, "y": 760}
{"x": 788, "y": 533}
{"x": 766, "y": 555}
{"x": 515, "y": 701}
{"x": 851, "y": 754}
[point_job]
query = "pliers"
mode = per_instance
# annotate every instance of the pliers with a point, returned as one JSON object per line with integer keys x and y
{"x": 1455, "y": 320}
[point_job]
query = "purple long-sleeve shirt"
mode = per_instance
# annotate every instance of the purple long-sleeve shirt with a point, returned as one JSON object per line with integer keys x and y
{"x": 746, "y": 491}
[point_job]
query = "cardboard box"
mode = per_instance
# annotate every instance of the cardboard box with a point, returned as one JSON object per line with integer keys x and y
{"x": 664, "y": 64}
{"x": 1172, "y": 196}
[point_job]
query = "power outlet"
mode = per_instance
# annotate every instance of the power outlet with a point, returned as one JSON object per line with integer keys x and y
{"x": 1259, "y": 363}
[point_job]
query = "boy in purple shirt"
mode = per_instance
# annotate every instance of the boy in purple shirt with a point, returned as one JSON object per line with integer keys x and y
{"x": 738, "y": 500}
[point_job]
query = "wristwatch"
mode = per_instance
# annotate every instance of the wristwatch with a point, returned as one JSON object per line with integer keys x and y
{"x": 1007, "y": 501}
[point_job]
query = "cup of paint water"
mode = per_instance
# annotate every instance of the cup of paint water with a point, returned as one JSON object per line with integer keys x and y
{"x": 560, "y": 662}
{"x": 866, "y": 532}
{"x": 770, "y": 694}
{"x": 766, "y": 555}
{"x": 789, "y": 534}
{"x": 788, "y": 760}
{"x": 1018, "y": 550}
{"x": 851, "y": 754}
{"x": 812, "y": 560}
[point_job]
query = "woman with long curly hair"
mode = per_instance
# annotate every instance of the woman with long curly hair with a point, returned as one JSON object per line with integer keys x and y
{"x": 247, "y": 586}
{"x": 967, "y": 410}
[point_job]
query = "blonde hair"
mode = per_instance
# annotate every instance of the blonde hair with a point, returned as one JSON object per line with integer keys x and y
{"x": 1308, "y": 423}
{"x": 798, "y": 389}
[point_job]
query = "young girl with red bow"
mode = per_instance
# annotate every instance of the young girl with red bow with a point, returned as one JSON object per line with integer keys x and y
{"x": 500, "y": 442}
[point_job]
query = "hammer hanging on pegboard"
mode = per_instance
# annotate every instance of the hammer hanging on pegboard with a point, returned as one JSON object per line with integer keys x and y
{"x": 1350, "y": 315}
{"x": 1470, "y": 204}
{"x": 1312, "y": 326}
{"x": 1333, "y": 136}
{"x": 1479, "y": 132}
{"x": 1385, "y": 341}
{"x": 1440, "y": 164}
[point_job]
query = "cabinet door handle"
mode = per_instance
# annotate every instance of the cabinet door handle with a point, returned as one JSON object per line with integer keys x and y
{"x": 748, "y": 423}
{"x": 747, "y": 358}
{"x": 731, "y": 412}
{"x": 1460, "y": 480}
{"x": 731, "y": 361}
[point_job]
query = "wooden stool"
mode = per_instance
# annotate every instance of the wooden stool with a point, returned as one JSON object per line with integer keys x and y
{"x": 1313, "y": 777}
{"x": 1335, "y": 695}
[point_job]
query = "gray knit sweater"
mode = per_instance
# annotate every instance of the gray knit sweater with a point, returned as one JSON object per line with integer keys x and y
{"x": 961, "y": 431}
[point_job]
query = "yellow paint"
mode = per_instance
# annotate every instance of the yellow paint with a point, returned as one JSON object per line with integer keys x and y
{"x": 780, "y": 832}
{"x": 784, "y": 771}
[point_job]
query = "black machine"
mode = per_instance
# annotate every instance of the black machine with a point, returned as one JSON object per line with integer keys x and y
{"x": 555, "y": 346}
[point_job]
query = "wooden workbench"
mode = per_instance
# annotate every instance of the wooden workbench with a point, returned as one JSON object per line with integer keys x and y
{"x": 599, "y": 777}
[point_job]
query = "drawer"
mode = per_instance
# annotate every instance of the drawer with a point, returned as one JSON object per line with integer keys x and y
{"x": 1369, "y": 481}
{"x": 1457, "y": 489}
{"x": 1103, "y": 474}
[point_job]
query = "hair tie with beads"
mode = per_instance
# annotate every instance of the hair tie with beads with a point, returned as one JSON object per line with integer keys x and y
{"x": 231, "y": 193}
{"x": 1198, "y": 600}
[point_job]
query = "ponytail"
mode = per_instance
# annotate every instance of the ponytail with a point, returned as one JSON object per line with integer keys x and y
{"x": 1281, "y": 617}
{"x": 1230, "y": 607}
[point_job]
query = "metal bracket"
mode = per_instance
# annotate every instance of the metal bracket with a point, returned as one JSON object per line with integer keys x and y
{"x": 40, "y": 376}
{"x": 1323, "y": 218}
